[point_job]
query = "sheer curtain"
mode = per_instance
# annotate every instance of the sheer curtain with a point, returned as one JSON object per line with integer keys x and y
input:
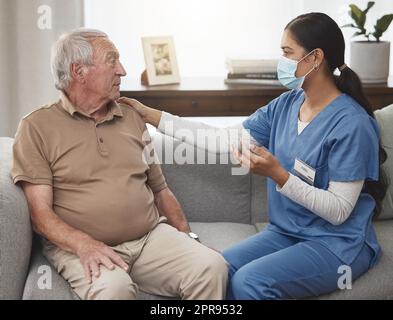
{"x": 27, "y": 31}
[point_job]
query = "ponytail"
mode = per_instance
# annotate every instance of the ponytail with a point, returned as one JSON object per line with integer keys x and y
{"x": 349, "y": 83}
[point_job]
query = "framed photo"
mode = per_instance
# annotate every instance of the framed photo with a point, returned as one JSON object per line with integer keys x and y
{"x": 160, "y": 60}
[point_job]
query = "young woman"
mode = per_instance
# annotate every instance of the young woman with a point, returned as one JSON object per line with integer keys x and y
{"x": 319, "y": 147}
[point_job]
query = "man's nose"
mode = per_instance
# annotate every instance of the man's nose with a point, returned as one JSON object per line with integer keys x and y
{"x": 120, "y": 70}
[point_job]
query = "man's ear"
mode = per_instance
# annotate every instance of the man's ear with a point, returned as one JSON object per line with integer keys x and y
{"x": 78, "y": 72}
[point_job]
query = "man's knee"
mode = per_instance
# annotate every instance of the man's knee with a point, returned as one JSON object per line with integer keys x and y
{"x": 212, "y": 265}
{"x": 207, "y": 278}
{"x": 113, "y": 285}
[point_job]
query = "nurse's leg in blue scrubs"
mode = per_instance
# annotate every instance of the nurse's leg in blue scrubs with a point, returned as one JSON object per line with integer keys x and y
{"x": 270, "y": 265}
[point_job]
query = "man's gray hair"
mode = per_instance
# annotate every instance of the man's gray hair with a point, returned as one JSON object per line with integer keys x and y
{"x": 72, "y": 47}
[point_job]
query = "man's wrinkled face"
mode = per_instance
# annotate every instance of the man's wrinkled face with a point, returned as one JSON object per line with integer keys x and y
{"x": 103, "y": 78}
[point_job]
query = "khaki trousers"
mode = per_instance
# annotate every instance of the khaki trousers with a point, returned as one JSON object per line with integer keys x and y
{"x": 164, "y": 262}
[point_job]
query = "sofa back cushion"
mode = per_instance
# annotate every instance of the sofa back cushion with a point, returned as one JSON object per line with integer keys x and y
{"x": 15, "y": 229}
{"x": 385, "y": 120}
{"x": 207, "y": 192}
{"x": 259, "y": 205}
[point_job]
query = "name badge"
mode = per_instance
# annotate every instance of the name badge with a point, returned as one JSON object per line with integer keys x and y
{"x": 304, "y": 171}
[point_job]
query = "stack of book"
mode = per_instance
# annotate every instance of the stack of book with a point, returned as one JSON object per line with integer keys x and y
{"x": 263, "y": 72}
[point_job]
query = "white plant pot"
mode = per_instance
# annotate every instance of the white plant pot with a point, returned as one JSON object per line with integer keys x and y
{"x": 370, "y": 60}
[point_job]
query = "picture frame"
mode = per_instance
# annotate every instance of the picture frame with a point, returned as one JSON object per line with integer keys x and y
{"x": 160, "y": 60}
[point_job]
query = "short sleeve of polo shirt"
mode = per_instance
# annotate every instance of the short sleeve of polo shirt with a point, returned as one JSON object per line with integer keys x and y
{"x": 155, "y": 178}
{"x": 29, "y": 159}
{"x": 354, "y": 150}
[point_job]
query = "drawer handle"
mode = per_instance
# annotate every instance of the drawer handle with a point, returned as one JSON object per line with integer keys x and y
{"x": 194, "y": 104}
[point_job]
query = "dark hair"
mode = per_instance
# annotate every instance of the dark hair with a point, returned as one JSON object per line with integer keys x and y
{"x": 317, "y": 30}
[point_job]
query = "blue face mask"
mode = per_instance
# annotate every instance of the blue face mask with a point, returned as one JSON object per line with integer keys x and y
{"x": 286, "y": 70}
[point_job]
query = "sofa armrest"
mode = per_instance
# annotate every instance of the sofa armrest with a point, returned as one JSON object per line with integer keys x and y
{"x": 15, "y": 229}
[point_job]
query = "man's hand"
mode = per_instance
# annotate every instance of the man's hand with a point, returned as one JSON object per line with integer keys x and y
{"x": 93, "y": 253}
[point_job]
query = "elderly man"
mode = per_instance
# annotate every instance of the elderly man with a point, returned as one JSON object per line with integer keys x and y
{"x": 109, "y": 222}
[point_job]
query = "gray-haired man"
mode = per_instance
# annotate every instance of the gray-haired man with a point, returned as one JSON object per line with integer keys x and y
{"x": 110, "y": 222}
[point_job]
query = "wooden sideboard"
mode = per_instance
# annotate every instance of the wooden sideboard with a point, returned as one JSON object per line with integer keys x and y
{"x": 212, "y": 97}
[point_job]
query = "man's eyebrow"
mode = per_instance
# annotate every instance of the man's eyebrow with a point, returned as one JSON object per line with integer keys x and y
{"x": 286, "y": 47}
{"x": 112, "y": 54}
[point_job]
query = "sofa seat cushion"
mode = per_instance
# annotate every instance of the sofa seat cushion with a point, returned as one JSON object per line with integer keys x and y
{"x": 375, "y": 284}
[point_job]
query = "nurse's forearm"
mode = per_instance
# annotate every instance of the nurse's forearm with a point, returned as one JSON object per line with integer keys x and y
{"x": 152, "y": 116}
{"x": 334, "y": 205}
{"x": 204, "y": 136}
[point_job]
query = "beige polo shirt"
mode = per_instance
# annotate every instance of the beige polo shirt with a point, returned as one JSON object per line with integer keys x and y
{"x": 102, "y": 184}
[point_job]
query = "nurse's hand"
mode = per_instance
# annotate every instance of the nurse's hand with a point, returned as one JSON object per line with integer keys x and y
{"x": 148, "y": 114}
{"x": 260, "y": 161}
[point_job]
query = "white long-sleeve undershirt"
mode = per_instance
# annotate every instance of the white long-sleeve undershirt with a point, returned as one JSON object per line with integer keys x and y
{"x": 334, "y": 204}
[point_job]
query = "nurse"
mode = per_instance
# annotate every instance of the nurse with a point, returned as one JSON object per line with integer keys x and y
{"x": 318, "y": 144}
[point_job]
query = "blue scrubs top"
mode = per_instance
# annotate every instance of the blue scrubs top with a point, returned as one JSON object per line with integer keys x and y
{"x": 342, "y": 144}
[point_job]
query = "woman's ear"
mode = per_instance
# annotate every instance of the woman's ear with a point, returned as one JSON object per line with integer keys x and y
{"x": 318, "y": 57}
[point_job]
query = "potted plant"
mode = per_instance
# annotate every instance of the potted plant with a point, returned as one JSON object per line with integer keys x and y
{"x": 370, "y": 58}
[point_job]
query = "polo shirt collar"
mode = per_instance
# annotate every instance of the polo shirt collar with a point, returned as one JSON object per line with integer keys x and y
{"x": 113, "y": 107}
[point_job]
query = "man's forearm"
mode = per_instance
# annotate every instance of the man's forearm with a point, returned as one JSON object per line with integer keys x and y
{"x": 49, "y": 225}
{"x": 169, "y": 207}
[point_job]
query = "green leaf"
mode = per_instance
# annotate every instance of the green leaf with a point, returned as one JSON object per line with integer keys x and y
{"x": 370, "y": 4}
{"x": 357, "y": 15}
{"x": 384, "y": 23}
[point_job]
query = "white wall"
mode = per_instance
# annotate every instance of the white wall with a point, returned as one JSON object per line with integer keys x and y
{"x": 208, "y": 31}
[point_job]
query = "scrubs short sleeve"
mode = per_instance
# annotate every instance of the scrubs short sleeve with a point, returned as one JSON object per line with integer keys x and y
{"x": 260, "y": 122}
{"x": 354, "y": 150}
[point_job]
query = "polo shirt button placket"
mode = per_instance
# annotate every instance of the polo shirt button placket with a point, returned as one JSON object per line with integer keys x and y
{"x": 101, "y": 146}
